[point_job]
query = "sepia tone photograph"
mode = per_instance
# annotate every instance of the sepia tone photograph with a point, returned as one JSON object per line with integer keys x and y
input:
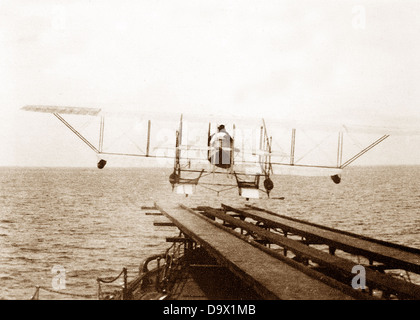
{"x": 212, "y": 151}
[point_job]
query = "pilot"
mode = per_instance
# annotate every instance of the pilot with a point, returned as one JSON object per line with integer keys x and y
{"x": 219, "y": 155}
{"x": 223, "y": 135}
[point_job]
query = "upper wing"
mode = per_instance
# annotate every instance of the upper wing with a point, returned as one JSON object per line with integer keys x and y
{"x": 295, "y": 147}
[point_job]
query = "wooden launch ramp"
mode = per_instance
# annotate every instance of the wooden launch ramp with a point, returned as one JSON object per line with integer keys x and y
{"x": 390, "y": 255}
{"x": 244, "y": 248}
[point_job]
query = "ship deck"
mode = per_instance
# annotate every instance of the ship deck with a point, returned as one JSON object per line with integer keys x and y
{"x": 255, "y": 267}
{"x": 253, "y": 253}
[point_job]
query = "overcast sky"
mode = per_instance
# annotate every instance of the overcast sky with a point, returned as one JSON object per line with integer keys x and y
{"x": 344, "y": 61}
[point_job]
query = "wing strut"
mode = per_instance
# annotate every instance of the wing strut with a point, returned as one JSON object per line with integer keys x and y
{"x": 345, "y": 164}
{"x": 149, "y": 124}
{"x": 77, "y": 133}
{"x": 292, "y": 147}
{"x": 101, "y": 135}
{"x": 340, "y": 149}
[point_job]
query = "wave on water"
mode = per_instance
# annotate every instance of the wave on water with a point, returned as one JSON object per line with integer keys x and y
{"x": 90, "y": 223}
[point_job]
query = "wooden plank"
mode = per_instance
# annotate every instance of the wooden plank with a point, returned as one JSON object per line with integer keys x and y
{"x": 385, "y": 243}
{"x": 147, "y": 207}
{"x": 164, "y": 224}
{"x": 381, "y": 251}
{"x": 381, "y": 281}
{"x": 270, "y": 277}
{"x": 177, "y": 239}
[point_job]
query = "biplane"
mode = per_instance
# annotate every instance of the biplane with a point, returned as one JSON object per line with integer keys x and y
{"x": 204, "y": 148}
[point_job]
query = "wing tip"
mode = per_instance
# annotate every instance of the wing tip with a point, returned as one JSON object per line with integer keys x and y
{"x": 64, "y": 110}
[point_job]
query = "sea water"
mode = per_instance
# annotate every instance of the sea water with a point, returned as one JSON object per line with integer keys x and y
{"x": 89, "y": 223}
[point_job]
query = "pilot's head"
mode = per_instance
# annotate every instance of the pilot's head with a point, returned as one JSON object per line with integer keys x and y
{"x": 221, "y": 127}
